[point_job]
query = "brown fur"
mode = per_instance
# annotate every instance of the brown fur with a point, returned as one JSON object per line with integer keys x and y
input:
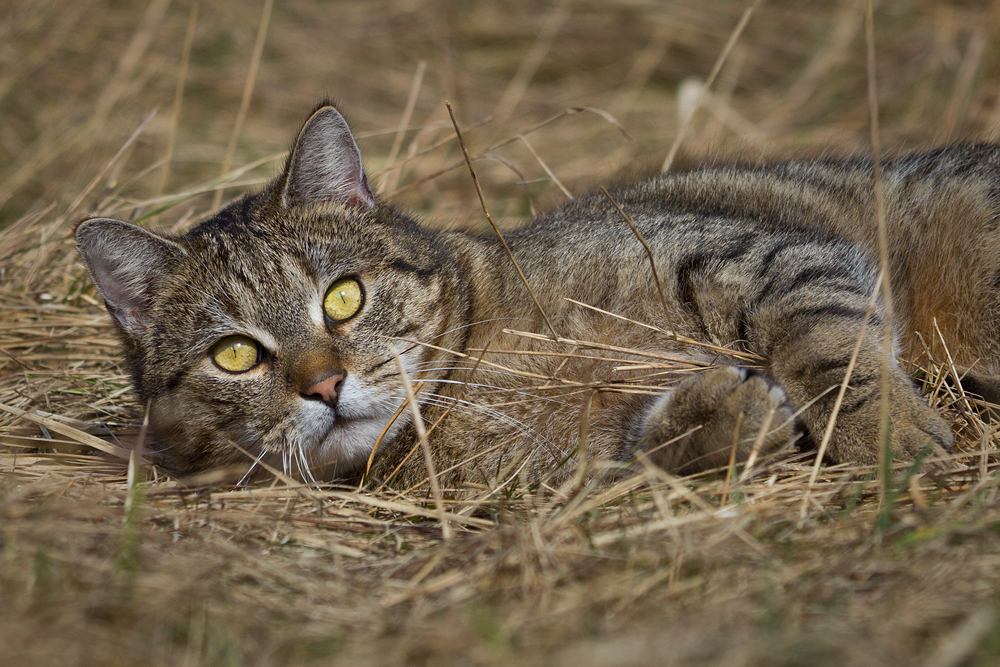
{"x": 941, "y": 226}
{"x": 776, "y": 261}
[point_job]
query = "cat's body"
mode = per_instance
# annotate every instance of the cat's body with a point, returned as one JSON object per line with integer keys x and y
{"x": 775, "y": 261}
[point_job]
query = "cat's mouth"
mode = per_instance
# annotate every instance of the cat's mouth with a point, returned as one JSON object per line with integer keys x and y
{"x": 345, "y": 438}
{"x": 342, "y": 422}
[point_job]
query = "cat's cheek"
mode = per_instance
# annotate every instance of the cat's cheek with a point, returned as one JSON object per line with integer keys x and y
{"x": 358, "y": 401}
{"x": 165, "y": 413}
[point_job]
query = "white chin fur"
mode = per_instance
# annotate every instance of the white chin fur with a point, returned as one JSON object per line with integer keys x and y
{"x": 347, "y": 443}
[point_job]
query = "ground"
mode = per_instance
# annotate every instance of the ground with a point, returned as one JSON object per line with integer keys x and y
{"x": 766, "y": 567}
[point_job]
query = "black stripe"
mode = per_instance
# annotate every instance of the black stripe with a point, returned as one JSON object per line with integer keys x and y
{"x": 694, "y": 264}
{"x": 218, "y": 400}
{"x": 804, "y": 278}
{"x": 174, "y": 380}
{"x": 737, "y": 248}
{"x": 771, "y": 254}
{"x": 815, "y": 274}
{"x": 965, "y": 166}
{"x": 861, "y": 380}
{"x": 406, "y": 267}
{"x": 688, "y": 268}
{"x": 371, "y": 369}
{"x": 820, "y": 367}
{"x": 742, "y": 324}
{"x": 850, "y": 406}
{"x": 408, "y": 329}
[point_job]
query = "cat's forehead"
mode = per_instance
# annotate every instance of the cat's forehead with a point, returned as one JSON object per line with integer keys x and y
{"x": 316, "y": 242}
{"x": 271, "y": 270}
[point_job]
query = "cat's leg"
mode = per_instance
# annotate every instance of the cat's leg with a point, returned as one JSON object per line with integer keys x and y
{"x": 694, "y": 427}
{"x": 803, "y": 303}
{"x": 811, "y": 365}
{"x": 808, "y": 322}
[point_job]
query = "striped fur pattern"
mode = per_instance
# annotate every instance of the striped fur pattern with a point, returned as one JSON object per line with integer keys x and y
{"x": 778, "y": 261}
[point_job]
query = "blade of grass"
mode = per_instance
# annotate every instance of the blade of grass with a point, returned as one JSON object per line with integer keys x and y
{"x": 418, "y": 424}
{"x": 73, "y": 433}
{"x": 668, "y": 162}
{"x": 248, "y": 86}
{"x": 885, "y": 437}
{"x": 389, "y": 183}
{"x": 496, "y": 230}
{"x": 175, "y": 115}
{"x": 551, "y": 25}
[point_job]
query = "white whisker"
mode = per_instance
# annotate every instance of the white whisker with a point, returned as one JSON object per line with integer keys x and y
{"x": 250, "y": 470}
{"x": 470, "y": 407}
{"x": 303, "y": 464}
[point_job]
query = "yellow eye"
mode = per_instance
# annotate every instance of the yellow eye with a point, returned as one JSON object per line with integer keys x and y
{"x": 343, "y": 299}
{"x": 236, "y": 354}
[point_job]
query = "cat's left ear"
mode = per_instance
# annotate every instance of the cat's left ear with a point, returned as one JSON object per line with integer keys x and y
{"x": 325, "y": 165}
{"x": 127, "y": 264}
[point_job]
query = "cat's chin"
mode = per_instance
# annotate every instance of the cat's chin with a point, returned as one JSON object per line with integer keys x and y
{"x": 348, "y": 442}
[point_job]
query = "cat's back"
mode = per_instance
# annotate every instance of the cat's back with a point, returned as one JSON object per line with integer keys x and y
{"x": 941, "y": 208}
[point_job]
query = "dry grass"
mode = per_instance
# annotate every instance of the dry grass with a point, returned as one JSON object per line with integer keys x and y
{"x": 742, "y": 569}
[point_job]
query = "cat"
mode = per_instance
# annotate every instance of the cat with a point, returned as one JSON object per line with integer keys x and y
{"x": 271, "y": 332}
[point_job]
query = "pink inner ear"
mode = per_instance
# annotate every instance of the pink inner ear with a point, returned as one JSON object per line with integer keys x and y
{"x": 132, "y": 319}
{"x": 363, "y": 195}
{"x": 126, "y": 264}
{"x": 126, "y": 306}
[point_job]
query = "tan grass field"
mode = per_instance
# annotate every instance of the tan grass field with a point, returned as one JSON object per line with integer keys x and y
{"x": 759, "y": 567}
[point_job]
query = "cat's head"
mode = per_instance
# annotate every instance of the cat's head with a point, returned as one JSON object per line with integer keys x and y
{"x": 270, "y": 329}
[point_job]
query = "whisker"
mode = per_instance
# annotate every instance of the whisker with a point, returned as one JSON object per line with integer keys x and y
{"x": 463, "y": 367}
{"x": 476, "y": 323}
{"x": 371, "y": 369}
{"x": 252, "y": 466}
{"x": 493, "y": 388}
{"x": 303, "y": 464}
{"x": 469, "y": 407}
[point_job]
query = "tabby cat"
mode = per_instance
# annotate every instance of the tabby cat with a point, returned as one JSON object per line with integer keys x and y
{"x": 272, "y": 331}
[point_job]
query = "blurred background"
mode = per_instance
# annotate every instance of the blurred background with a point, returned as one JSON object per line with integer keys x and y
{"x": 78, "y": 77}
{"x": 157, "y": 110}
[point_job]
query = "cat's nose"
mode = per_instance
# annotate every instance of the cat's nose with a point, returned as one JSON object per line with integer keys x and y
{"x": 326, "y": 389}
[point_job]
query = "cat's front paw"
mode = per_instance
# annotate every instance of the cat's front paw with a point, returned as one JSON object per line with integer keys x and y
{"x": 916, "y": 428}
{"x": 694, "y": 427}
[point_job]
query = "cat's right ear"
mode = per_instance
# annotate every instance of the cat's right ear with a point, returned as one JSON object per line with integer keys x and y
{"x": 127, "y": 264}
{"x": 325, "y": 164}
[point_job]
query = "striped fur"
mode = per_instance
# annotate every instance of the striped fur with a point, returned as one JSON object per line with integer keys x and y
{"x": 777, "y": 260}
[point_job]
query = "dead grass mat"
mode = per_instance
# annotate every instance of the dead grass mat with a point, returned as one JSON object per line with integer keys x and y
{"x": 767, "y": 569}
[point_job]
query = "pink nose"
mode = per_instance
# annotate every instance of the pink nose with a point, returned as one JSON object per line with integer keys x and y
{"x": 326, "y": 389}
